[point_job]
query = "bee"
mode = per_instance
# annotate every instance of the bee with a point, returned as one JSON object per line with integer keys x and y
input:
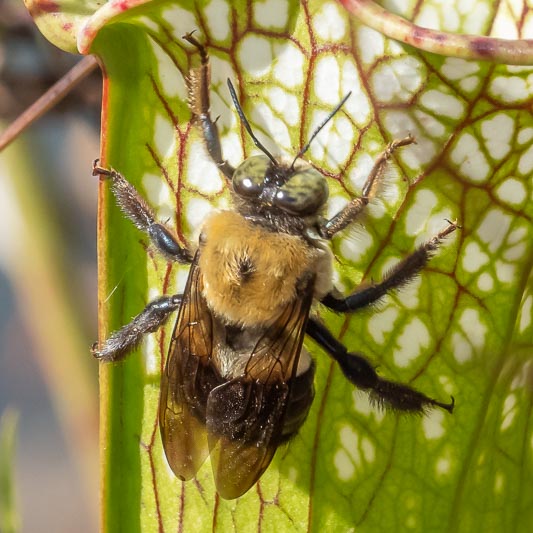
{"x": 237, "y": 382}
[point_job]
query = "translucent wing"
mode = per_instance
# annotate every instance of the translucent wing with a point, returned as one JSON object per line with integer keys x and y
{"x": 186, "y": 382}
{"x": 245, "y": 416}
{"x": 240, "y": 419}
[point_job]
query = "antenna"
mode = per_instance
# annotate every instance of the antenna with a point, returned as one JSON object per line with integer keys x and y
{"x": 244, "y": 120}
{"x": 317, "y": 131}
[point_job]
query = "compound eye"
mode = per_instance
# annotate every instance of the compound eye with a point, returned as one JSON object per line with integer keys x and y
{"x": 304, "y": 194}
{"x": 249, "y": 177}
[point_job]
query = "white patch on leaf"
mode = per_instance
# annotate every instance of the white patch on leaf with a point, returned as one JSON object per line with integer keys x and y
{"x": 389, "y": 191}
{"x": 499, "y": 483}
{"x": 340, "y": 148}
{"x": 509, "y": 89}
{"x": 277, "y": 134}
{"x": 343, "y": 465}
{"x": 363, "y": 406}
{"x": 381, "y": 323}
{"x": 355, "y": 249}
{"x": 527, "y": 24}
{"x": 525, "y": 314}
{"x": 292, "y": 474}
{"x": 477, "y": 19}
{"x": 160, "y": 196}
{"x": 327, "y": 80}
{"x": 349, "y": 439}
{"x": 515, "y": 253}
{"x": 411, "y": 342}
{"x": 451, "y": 21}
{"x": 232, "y": 148}
{"x": 498, "y": 134}
{"x": 196, "y": 210}
{"x": 371, "y": 44}
{"x": 368, "y": 450}
{"x": 443, "y": 466}
{"x": 357, "y": 105}
{"x": 522, "y": 378}
{"x": 289, "y": 65}
{"x": 494, "y": 228}
{"x": 469, "y": 84}
{"x": 509, "y": 411}
{"x": 398, "y": 124}
{"x": 485, "y": 282}
{"x": 255, "y": 55}
{"x": 419, "y": 212}
{"x": 421, "y": 221}
{"x": 329, "y": 23}
{"x": 518, "y": 234}
{"x": 505, "y": 26}
{"x": 410, "y": 293}
{"x": 180, "y": 20}
{"x": 334, "y": 142}
{"x": 524, "y": 135}
{"x": 433, "y": 425}
{"x": 271, "y": 13}
{"x": 150, "y": 346}
{"x": 505, "y": 272}
{"x": 182, "y": 275}
{"x": 431, "y": 125}
{"x": 202, "y": 173}
{"x": 361, "y": 169}
{"x": 335, "y": 204}
{"x": 168, "y": 77}
{"x": 462, "y": 349}
{"x": 356, "y": 452}
{"x": 164, "y": 138}
{"x": 471, "y": 323}
{"x": 398, "y": 80}
{"x": 429, "y": 17}
{"x": 473, "y": 257}
{"x": 221, "y": 70}
{"x": 471, "y": 337}
{"x": 216, "y": 16}
{"x": 525, "y": 163}
{"x": 442, "y": 104}
{"x": 148, "y": 23}
{"x": 469, "y": 158}
{"x": 512, "y": 191}
{"x": 286, "y": 104}
{"x": 457, "y": 69}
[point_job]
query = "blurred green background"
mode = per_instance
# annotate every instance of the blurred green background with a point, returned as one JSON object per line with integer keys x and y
{"x": 48, "y": 282}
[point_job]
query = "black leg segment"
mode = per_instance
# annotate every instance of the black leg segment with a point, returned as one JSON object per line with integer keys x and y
{"x": 139, "y": 212}
{"x": 198, "y": 84}
{"x": 347, "y": 215}
{"x": 386, "y": 394}
{"x": 399, "y": 276}
{"x": 127, "y": 337}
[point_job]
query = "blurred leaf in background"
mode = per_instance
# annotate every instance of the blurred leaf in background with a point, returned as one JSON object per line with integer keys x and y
{"x": 48, "y": 281}
{"x": 9, "y": 519}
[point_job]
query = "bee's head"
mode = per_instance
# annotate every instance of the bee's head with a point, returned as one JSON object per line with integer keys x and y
{"x": 296, "y": 190}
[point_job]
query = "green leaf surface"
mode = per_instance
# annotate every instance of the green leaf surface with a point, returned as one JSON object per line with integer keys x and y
{"x": 464, "y": 328}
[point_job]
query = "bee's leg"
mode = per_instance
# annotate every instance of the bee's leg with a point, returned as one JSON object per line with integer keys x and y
{"x": 359, "y": 371}
{"x": 198, "y": 84}
{"x": 349, "y": 213}
{"x": 129, "y": 336}
{"x": 399, "y": 276}
{"x": 139, "y": 212}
